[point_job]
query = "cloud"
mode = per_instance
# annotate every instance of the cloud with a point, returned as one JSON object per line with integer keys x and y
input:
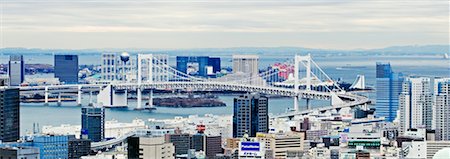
{"x": 298, "y": 18}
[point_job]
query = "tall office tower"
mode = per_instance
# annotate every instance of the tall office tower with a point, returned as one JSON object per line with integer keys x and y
{"x": 250, "y": 115}
{"x": 388, "y": 86}
{"x": 198, "y": 65}
{"x": 16, "y": 70}
{"x": 10, "y": 114}
{"x": 149, "y": 147}
{"x": 247, "y": 64}
{"x": 415, "y": 103}
{"x": 66, "y": 68}
{"x": 93, "y": 123}
{"x": 442, "y": 108}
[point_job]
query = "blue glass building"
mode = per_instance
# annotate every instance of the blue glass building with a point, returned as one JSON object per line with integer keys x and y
{"x": 250, "y": 115}
{"x": 93, "y": 123}
{"x": 198, "y": 64}
{"x": 388, "y": 86}
{"x": 50, "y": 146}
{"x": 9, "y": 114}
{"x": 66, "y": 68}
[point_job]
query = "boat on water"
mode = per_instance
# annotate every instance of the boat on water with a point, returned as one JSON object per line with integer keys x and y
{"x": 350, "y": 67}
{"x": 445, "y": 56}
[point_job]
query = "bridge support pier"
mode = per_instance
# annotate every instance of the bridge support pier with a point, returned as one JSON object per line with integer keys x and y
{"x": 46, "y": 96}
{"x": 150, "y": 99}
{"x": 139, "y": 99}
{"x": 79, "y": 96}
{"x": 59, "y": 99}
{"x": 296, "y": 103}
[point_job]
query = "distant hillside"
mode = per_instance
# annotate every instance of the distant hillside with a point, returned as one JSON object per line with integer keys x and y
{"x": 268, "y": 51}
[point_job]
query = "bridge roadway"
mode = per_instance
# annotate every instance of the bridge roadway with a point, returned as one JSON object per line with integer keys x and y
{"x": 352, "y": 99}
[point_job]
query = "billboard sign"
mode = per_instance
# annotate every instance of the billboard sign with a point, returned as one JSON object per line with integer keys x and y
{"x": 251, "y": 149}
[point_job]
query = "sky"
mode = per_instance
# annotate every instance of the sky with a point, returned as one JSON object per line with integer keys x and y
{"x": 173, "y": 24}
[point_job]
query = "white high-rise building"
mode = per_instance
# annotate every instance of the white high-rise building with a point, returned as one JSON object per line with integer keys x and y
{"x": 114, "y": 69}
{"x": 247, "y": 64}
{"x": 441, "y": 107}
{"x": 415, "y": 104}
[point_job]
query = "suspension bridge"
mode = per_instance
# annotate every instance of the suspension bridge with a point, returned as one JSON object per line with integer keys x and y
{"x": 309, "y": 82}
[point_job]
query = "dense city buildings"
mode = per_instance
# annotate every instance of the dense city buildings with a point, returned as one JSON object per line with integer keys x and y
{"x": 203, "y": 66}
{"x": 388, "y": 86}
{"x": 9, "y": 114}
{"x": 66, "y": 68}
{"x": 16, "y": 70}
{"x": 93, "y": 123}
{"x": 250, "y": 115}
{"x": 149, "y": 147}
{"x": 415, "y": 104}
{"x": 441, "y": 108}
{"x": 247, "y": 64}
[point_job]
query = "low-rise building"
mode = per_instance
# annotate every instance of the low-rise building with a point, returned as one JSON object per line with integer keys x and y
{"x": 149, "y": 147}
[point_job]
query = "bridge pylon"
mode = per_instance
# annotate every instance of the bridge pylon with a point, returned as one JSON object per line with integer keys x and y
{"x": 306, "y": 61}
{"x": 148, "y": 59}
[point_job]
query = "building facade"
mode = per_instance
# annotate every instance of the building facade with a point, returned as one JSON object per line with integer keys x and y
{"x": 415, "y": 104}
{"x": 441, "y": 109}
{"x": 78, "y": 147}
{"x": 247, "y": 64}
{"x": 52, "y": 146}
{"x": 19, "y": 153}
{"x": 66, "y": 68}
{"x": 93, "y": 123}
{"x": 181, "y": 142}
{"x": 114, "y": 69}
{"x": 388, "y": 86}
{"x": 250, "y": 115}
{"x": 149, "y": 147}
{"x": 198, "y": 65}
{"x": 16, "y": 70}
{"x": 9, "y": 114}
{"x": 283, "y": 143}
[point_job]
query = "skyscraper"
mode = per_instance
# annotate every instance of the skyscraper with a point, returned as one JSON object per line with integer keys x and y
{"x": 442, "y": 108}
{"x": 250, "y": 115}
{"x": 247, "y": 64}
{"x": 415, "y": 104}
{"x": 93, "y": 123}
{"x": 10, "y": 114}
{"x": 16, "y": 70}
{"x": 388, "y": 86}
{"x": 66, "y": 68}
